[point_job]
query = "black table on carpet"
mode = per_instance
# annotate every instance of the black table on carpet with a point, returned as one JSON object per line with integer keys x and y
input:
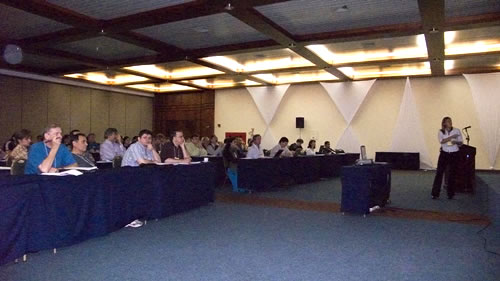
{"x": 219, "y": 167}
{"x": 45, "y": 212}
{"x": 265, "y": 173}
{"x": 400, "y": 160}
{"x": 365, "y": 186}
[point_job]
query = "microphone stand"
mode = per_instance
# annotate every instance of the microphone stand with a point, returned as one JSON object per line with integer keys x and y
{"x": 467, "y": 137}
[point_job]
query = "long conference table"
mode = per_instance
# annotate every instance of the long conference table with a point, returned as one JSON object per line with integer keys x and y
{"x": 266, "y": 173}
{"x": 45, "y": 212}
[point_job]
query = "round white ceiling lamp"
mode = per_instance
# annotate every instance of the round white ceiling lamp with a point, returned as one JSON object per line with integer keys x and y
{"x": 13, "y": 54}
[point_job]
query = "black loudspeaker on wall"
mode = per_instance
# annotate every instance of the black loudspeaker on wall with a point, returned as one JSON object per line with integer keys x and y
{"x": 299, "y": 122}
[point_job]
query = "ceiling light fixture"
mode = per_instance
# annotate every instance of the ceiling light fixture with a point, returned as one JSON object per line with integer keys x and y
{"x": 433, "y": 30}
{"x": 229, "y": 7}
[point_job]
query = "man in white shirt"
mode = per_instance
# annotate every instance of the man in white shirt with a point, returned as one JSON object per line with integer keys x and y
{"x": 450, "y": 139}
{"x": 255, "y": 151}
{"x": 283, "y": 146}
{"x": 141, "y": 152}
{"x": 112, "y": 146}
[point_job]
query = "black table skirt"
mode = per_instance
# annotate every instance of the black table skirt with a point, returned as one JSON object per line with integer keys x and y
{"x": 266, "y": 173}
{"x": 45, "y": 212}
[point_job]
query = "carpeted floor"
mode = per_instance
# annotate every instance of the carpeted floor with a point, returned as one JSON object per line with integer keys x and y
{"x": 238, "y": 242}
{"x": 306, "y": 239}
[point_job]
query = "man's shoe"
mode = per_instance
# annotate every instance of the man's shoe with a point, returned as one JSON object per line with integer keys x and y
{"x": 135, "y": 224}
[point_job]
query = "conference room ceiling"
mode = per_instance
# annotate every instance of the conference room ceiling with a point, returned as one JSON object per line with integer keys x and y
{"x": 166, "y": 46}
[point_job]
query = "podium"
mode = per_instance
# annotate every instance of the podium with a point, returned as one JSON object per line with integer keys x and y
{"x": 365, "y": 186}
{"x": 465, "y": 175}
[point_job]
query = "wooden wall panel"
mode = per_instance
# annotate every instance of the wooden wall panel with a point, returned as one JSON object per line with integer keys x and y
{"x": 80, "y": 109}
{"x": 99, "y": 113}
{"x": 117, "y": 112}
{"x": 146, "y": 116}
{"x": 34, "y": 106}
{"x": 59, "y": 111}
{"x": 193, "y": 113}
{"x": 11, "y": 96}
{"x": 133, "y": 117}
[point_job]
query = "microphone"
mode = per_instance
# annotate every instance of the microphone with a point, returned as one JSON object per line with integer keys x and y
{"x": 468, "y": 127}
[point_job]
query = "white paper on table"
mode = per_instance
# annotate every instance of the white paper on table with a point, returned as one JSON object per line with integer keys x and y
{"x": 84, "y": 168}
{"x": 5, "y": 168}
{"x": 65, "y": 173}
{"x": 103, "y": 162}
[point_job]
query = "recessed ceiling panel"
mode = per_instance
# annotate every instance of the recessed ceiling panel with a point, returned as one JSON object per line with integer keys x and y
{"x": 175, "y": 70}
{"x": 316, "y": 16}
{"x": 162, "y": 88}
{"x": 259, "y": 61}
{"x": 17, "y": 24}
{"x": 457, "y": 8}
{"x": 105, "y": 48}
{"x": 372, "y": 50}
{"x": 223, "y": 82}
{"x": 397, "y": 70}
{"x": 296, "y": 77}
{"x": 107, "y": 78}
{"x": 109, "y": 9}
{"x": 479, "y": 40}
{"x": 48, "y": 63}
{"x": 472, "y": 64}
{"x": 206, "y": 31}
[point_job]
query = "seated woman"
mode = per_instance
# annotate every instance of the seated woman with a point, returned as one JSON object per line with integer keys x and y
{"x": 230, "y": 156}
{"x": 20, "y": 152}
{"x": 311, "y": 147}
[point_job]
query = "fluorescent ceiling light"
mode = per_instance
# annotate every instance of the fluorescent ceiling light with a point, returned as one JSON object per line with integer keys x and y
{"x": 103, "y": 78}
{"x": 161, "y": 88}
{"x": 175, "y": 73}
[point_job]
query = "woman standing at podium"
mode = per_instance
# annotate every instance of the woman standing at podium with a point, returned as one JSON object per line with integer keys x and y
{"x": 450, "y": 139}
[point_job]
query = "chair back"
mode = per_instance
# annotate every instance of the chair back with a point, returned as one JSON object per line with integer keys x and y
{"x": 117, "y": 162}
{"x": 17, "y": 167}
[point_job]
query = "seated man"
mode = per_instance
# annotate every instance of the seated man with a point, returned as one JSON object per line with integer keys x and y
{"x": 194, "y": 148}
{"x": 326, "y": 149}
{"x": 93, "y": 146}
{"x": 82, "y": 157}
{"x": 112, "y": 146}
{"x": 281, "y": 146}
{"x": 49, "y": 155}
{"x": 296, "y": 147}
{"x": 255, "y": 151}
{"x": 141, "y": 152}
{"x": 175, "y": 151}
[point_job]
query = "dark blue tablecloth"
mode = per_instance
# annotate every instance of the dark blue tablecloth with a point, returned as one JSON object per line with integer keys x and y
{"x": 219, "y": 167}
{"x": 365, "y": 186}
{"x": 44, "y": 212}
{"x": 266, "y": 173}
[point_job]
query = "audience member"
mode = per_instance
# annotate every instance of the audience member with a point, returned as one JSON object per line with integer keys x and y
{"x": 242, "y": 150}
{"x": 297, "y": 146}
{"x": 20, "y": 152}
{"x": 66, "y": 140}
{"x": 10, "y": 144}
{"x": 93, "y": 145}
{"x": 281, "y": 146}
{"x": 159, "y": 142}
{"x": 127, "y": 142}
{"x": 79, "y": 150}
{"x": 205, "y": 141}
{"x": 49, "y": 155}
{"x": 39, "y": 138}
{"x": 141, "y": 152}
{"x": 255, "y": 151}
{"x": 74, "y": 132}
{"x": 134, "y": 139}
{"x": 230, "y": 157}
{"x": 214, "y": 147}
{"x": 175, "y": 151}
{"x": 326, "y": 149}
{"x": 311, "y": 148}
{"x": 112, "y": 146}
{"x": 194, "y": 148}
